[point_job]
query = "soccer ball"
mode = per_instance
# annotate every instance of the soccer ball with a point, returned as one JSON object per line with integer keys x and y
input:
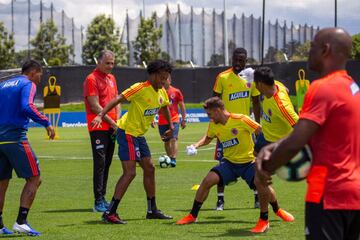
{"x": 164, "y": 161}
{"x": 298, "y": 167}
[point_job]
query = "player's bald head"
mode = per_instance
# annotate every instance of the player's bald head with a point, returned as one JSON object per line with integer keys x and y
{"x": 330, "y": 50}
{"x": 338, "y": 39}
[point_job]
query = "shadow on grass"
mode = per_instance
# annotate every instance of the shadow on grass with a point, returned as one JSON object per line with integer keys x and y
{"x": 69, "y": 210}
{"x": 12, "y": 236}
{"x": 213, "y": 210}
{"x": 232, "y": 233}
{"x": 99, "y": 221}
{"x": 214, "y": 220}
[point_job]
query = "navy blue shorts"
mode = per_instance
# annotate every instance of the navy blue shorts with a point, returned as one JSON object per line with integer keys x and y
{"x": 229, "y": 172}
{"x": 260, "y": 143}
{"x": 130, "y": 147}
{"x": 164, "y": 128}
{"x": 20, "y": 157}
{"x": 219, "y": 153}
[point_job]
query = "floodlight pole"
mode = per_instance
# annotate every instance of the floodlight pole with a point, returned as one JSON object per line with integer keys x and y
{"x": 144, "y": 8}
{"x": 335, "y": 13}
{"x": 226, "y": 49}
{"x": 112, "y": 9}
{"x": 263, "y": 33}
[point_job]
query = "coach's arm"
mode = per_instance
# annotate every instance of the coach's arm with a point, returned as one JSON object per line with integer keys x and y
{"x": 102, "y": 114}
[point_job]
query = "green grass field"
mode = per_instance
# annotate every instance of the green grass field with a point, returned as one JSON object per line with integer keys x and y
{"x": 63, "y": 205}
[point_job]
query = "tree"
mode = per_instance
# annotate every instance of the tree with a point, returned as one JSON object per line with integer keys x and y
{"x": 146, "y": 44}
{"x": 356, "y": 46}
{"x": 301, "y": 52}
{"x": 21, "y": 56}
{"x": 216, "y": 60}
{"x": 50, "y": 45}
{"x": 7, "y": 50}
{"x": 102, "y": 34}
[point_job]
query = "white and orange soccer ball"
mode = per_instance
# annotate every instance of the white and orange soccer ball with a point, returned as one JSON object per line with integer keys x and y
{"x": 298, "y": 167}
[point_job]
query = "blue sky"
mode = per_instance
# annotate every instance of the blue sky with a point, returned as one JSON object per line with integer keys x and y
{"x": 314, "y": 12}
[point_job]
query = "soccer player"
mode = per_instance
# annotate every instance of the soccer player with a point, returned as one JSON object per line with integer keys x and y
{"x": 234, "y": 131}
{"x": 278, "y": 113}
{"x": 17, "y": 107}
{"x": 176, "y": 99}
{"x": 146, "y": 98}
{"x": 237, "y": 93}
{"x": 329, "y": 123}
{"x": 99, "y": 88}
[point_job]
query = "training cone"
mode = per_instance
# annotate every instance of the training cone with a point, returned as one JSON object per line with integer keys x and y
{"x": 195, "y": 187}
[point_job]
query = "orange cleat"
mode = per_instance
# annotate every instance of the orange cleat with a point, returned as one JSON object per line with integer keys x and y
{"x": 261, "y": 226}
{"x": 187, "y": 220}
{"x": 285, "y": 216}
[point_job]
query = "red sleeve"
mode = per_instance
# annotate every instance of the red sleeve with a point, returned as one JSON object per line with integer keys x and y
{"x": 115, "y": 84}
{"x": 318, "y": 103}
{"x": 90, "y": 88}
{"x": 180, "y": 96}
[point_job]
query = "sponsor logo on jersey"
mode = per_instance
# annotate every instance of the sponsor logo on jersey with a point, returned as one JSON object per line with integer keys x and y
{"x": 266, "y": 118}
{"x": 237, "y": 95}
{"x": 230, "y": 143}
{"x": 10, "y": 84}
{"x": 151, "y": 112}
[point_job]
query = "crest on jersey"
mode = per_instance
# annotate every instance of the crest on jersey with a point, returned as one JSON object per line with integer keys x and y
{"x": 172, "y": 96}
{"x": 161, "y": 100}
{"x": 234, "y": 131}
{"x": 270, "y": 112}
{"x": 97, "y": 141}
{"x": 248, "y": 84}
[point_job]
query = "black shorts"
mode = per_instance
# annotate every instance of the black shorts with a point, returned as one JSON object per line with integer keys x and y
{"x": 260, "y": 143}
{"x": 321, "y": 224}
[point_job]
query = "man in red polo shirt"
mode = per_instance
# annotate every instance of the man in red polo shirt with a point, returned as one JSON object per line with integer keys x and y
{"x": 176, "y": 99}
{"x": 99, "y": 88}
{"x": 330, "y": 124}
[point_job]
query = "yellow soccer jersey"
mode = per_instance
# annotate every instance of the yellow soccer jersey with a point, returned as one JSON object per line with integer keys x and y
{"x": 235, "y": 92}
{"x": 145, "y": 102}
{"x": 235, "y": 137}
{"x": 279, "y": 116}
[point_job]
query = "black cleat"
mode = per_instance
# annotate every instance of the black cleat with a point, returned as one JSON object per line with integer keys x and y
{"x": 157, "y": 214}
{"x": 219, "y": 205}
{"x": 112, "y": 218}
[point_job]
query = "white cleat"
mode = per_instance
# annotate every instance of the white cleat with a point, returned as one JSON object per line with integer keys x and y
{"x": 25, "y": 229}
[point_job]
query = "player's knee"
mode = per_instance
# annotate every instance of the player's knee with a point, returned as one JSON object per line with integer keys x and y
{"x": 34, "y": 181}
{"x": 150, "y": 169}
{"x": 39, "y": 181}
{"x": 210, "y": 180}
{"x": 130, "y": 175}
{"x": 257, "y": 183}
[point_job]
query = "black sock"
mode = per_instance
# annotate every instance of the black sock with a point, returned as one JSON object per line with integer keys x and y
{"x": 1, "y": 221}
{"x": 23, "y": 212}
{"x": 151, "y": 204}
{"x": 196, "y": 208}
{"x": 113, "y": 206}
{"x": 220, "y": 196}
{"x": 275, "y": 206}
{"x": 264, "y": 215}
